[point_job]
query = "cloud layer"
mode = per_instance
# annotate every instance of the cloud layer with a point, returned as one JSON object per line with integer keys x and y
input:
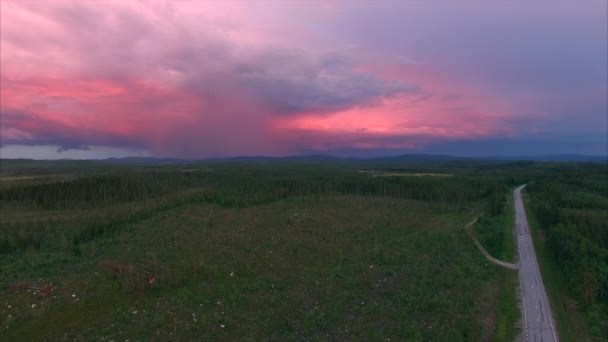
{"x": 201, "y": 79}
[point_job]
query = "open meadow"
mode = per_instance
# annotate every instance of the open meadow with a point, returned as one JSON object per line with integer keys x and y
{"x": 248, "y": 251}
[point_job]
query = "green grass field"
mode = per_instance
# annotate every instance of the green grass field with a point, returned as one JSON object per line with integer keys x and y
{"x": 260, "y": 252}
{"x": 497, "y": 235}
{"x": 343, "y": 266}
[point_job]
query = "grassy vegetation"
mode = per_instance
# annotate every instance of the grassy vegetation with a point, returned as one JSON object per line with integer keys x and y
{"x": 497, "y": 235}
{"x": 126, "y": 195}
{"x": 334, "y": 266}
{"x": 257, "y": 251}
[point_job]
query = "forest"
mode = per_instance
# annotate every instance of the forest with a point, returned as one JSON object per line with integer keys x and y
{"x": 572, "y": 206}
{"x": 65, "y": 222}
{"x": 229, "y": 185}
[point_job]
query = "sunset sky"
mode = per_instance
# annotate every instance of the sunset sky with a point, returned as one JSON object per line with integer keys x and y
{"x": 98, "y": 79}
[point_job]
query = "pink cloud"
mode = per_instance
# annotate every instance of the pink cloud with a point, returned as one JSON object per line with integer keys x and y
{"x": 202, "y": 79}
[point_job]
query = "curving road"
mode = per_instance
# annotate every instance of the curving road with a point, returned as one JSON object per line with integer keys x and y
{"x": 538, "y": 323}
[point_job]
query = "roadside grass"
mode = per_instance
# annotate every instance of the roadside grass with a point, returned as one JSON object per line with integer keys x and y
{"x": 497, "y": 236}
{"x": 324, "y": 267}
{"x": 509, "y": 249}
{"x": 509, "y": 315}
{"x": 568, "y": 320}
{"x": 507, "y": 308}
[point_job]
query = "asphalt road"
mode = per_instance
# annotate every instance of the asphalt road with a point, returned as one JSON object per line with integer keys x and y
{"x": 538, "y": 323}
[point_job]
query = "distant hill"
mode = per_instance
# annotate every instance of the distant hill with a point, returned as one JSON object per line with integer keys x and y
{"x": 148, "y": 161}
{"x": 577, "y": 158}
{"x": 328, "y": 159}
{"x": 321, "y": 158}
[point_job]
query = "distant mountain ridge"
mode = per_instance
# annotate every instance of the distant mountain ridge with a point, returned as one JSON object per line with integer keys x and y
{"x": 554, "y": 157}
{"x": 321, "y": 158}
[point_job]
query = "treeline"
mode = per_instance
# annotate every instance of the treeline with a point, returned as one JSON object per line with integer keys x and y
{"x": 490, "y": 226}
{"x": 572, "y": 207}
{"x": 241, "y": 185}
{"x": 59, "y": 231}
{"x": 102, "y": 203}
{"x": 236, "y": 188}
{"x": 98, "y": 190}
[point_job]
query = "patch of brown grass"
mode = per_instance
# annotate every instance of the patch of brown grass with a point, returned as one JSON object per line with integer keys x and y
{"x": 134, "y": 274}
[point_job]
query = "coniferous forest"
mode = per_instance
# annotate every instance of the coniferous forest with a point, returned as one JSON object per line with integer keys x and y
{"x": 290, "y": 250}
{"x": 571, "y": 205}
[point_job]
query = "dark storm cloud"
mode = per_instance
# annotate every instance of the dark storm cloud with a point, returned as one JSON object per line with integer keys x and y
{"x": 141, "y": 64}
{"x": 294, "y": 85}
{"x": 208, "y": 78}
{"x": 25, "y": 128}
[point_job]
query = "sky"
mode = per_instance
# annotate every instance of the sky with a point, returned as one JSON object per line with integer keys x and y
{"x": 199, "y": 79}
